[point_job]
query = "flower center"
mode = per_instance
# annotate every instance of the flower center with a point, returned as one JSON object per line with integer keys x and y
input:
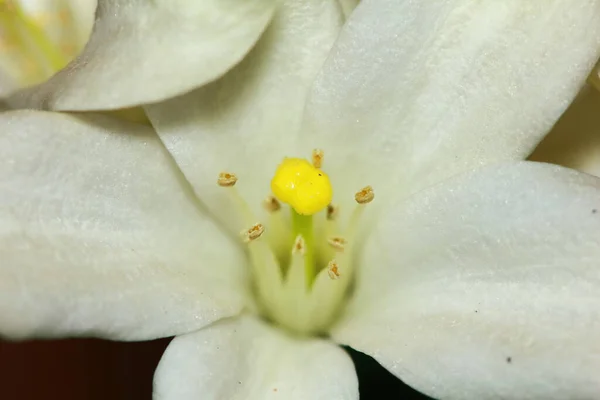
{"x": 302, "y": 264}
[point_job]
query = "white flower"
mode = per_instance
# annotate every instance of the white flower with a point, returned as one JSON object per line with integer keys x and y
{"x": 476, "y": 273}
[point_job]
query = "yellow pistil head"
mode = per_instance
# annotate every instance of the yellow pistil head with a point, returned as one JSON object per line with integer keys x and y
{"x": 305, "y": 188}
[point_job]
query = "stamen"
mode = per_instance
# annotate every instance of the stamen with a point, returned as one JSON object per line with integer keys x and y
{"x": 299, "y": 246}
{"x": 271, "y": 204}
{"x": 278, "y": 234}
{"x": 226, "y": 179}
{"x": 337, "y": 243}
{"x": 333, "y": 270}
{"x": 253, "y": 233}
{"x": 365, "y": 195}
{"x": 329, "y": 229}
{"x": 296, "y": 273}
{"x": 317, "y": 158}
{"x": 332, "y": 212}
{"x": 302, "y": 225}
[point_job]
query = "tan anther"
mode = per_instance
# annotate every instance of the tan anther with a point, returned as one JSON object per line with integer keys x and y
{"x": 299, "y": 246}
{"x": 253, "y": 233}
{"x": 337, "y": 243}
{"x": 365, "y": 195}
{"x": 226, "y": 179}
{"x": 333, "y": 270}
{"x": 317, "y": 158}
{"x": 332, "y": 212}
{"x": 271, "y": 204}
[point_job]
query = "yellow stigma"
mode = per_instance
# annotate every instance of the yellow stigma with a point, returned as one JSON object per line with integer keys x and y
{"x": 305, "y": 188}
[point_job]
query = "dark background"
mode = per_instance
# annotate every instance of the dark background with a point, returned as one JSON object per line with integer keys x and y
{"x": 90, "y": 369}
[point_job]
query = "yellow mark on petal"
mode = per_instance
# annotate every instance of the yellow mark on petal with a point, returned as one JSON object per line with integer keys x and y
{"x": 365, "y": 195}
{"x": 317, "y": 158}
{"x": 298, "y": 183}
{"x": 271, "y": 204}
{"x": 226, "y": 179}
{"x": 299, "y": 246}
{"x": 332, "y": 212}
{"x": 333, "y": 270}
{"x": 338, "y": 243}
{"x": 253, "y": 233}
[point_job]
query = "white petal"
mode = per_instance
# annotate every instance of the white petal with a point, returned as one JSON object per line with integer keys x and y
{"x": 143, "y": 51}
{"x": 487, "y": 286}
{"x": 417, "y": 91}
{"x": 575, "y": 139}
{"x": 245, "y": 122}
{"x": 99, "y": 234}
{"x": 246, "y": 359}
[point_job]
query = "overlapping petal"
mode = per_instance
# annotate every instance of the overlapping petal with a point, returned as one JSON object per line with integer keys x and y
{"x": 487, "y": 286}
{"x": 416, "y": 91}
{"x": 246, "y": 359}
{"x": 99, "y": 234}
{"x": 143, "y": 51}
{"x": 244, "y": 122}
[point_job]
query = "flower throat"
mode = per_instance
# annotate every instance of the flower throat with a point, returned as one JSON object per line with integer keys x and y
{"x": 302, "y": 263}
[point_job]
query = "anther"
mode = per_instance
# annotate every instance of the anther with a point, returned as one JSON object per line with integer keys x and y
{"x": 332, "y": 212}
{"x": 226, "y": 179}
{"x": 337, "y": 243}
{"x": 253, "y": 233}
{"x": 333, "y": 270}
{"x": 271, "y": 204}
{"x": 299, "y": 246}
{"x": 317, "y": 158}
{"x": 365, "y": 195}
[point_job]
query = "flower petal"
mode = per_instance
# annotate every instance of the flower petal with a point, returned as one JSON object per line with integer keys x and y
{"x": 245, "y": 122}
{"x": 144, "y": 51}
{"x": 244, "y": 358}
{"x": 487, "y": 286}
{"x": 574, "y": 141}
{"x": 100, "y": 236}
{"x": 417, "y": 91}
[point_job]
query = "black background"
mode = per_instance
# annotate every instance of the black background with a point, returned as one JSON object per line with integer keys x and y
{"x": 90, "y": 369}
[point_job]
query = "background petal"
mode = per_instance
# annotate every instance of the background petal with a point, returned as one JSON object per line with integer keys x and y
{"x": 40, "y": 37}
{"x": 143, "y": 51}
{"x": 246, "y": 359}
{"x": 68, "y": 23}
{"x": 244, "y": 122}
{"x": 100, "y": 236}
{"x": 487, "y": 286}
{"x": 417, "y": 91}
